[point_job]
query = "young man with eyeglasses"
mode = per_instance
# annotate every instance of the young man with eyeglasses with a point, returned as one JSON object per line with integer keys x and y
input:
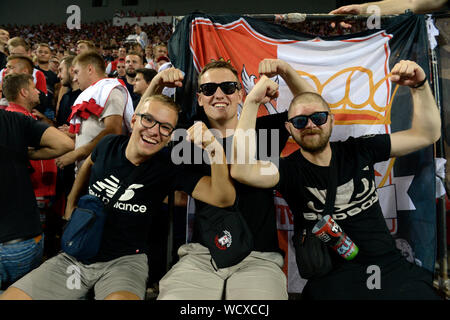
{"x": 259, "y": 276}
{"x": 120, "y": 269}
{"x": 302, "y": 178}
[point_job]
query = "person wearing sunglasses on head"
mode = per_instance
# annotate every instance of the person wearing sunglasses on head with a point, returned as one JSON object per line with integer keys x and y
{"x": 120, "y": 269}
{"x": 259, "y": 276}
{"x": 302, "y": 178}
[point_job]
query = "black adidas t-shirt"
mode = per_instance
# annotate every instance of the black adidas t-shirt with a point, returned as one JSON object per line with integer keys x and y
{"x": 256, "y": 204}
{"x": 126, "y": 227}
{"x": 357, "y": 210}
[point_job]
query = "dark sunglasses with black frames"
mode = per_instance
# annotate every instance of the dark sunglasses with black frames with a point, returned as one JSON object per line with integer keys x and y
{"x": 227, "y": 87}
{"x": 148, "y": 122}
{"x": 318, "y": 118}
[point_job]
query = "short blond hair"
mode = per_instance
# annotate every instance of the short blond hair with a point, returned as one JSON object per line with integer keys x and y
{"x": 160, "y": 98}
{"x": 91, "y": 58}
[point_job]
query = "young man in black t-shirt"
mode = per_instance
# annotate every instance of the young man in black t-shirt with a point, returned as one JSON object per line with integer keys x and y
{"x": 259, "y": 275}
{"x": 302, "y": 179}
{"x": 119, "y": 271}
{"x": 21, "y": 239}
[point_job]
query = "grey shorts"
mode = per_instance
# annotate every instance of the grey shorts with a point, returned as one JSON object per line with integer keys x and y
{"x": 64, "y": 278}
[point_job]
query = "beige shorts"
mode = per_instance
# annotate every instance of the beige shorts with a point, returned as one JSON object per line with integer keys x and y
{"x": 64, "y": 278}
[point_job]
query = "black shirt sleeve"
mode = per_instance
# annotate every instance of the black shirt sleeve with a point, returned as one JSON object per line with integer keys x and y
{"x": 376, "y": 148}
{"x": 35, "y": 131}
{"x": 271, "y": 135}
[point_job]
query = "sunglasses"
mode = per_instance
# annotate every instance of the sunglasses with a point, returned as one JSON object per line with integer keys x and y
{"x": 318, "y": 118}
{"x": 148, "y": 122}
{"x": 227, "y": 87}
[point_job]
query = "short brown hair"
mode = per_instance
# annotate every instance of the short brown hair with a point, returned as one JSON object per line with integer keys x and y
{"x": 13, "y": 83}
{"x": 134, "y": 53}
{"x": 92, "y": 58}
{"x": 67, "y": 60}
{"x": 219, "y": 64}
{"x": 17, "y": 41}
{"x": 26, "y": 61}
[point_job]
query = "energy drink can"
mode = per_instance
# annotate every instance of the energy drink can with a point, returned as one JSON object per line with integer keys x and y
{"x": 331, "y": 233}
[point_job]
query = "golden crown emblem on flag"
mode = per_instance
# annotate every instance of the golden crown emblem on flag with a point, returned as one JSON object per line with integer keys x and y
{"x": 346, "y": 111}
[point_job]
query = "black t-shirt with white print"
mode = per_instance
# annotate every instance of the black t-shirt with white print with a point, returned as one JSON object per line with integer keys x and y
{"x": 357, "y": 210}
{"x": 126, "y": 227}
{"x": 256, "y": 204}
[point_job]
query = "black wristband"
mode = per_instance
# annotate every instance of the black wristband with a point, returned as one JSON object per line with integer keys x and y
{"x": 421, "y": 83}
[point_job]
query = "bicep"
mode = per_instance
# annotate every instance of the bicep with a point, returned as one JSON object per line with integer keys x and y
{"x": 404, "y": 142}
{"x": 113, "y": 124}
{"x": 262, "y": 174}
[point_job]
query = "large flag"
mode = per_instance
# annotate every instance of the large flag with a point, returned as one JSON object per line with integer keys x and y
{"x": 352, "y": 73}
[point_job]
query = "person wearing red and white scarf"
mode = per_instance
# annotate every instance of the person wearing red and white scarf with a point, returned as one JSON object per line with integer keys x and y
{"x": 104, "y": 107}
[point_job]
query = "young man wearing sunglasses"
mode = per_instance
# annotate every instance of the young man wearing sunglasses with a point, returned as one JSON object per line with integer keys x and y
{"x": 120, "y": 269}
{"x": 259, "y": 276}
{"x": 302, "y": 178}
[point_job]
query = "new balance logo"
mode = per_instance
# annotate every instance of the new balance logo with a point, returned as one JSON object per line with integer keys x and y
{"x": 110, "y": 186}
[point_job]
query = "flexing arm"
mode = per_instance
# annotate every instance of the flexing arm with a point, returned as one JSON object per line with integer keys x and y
{"x": 272, "y": 67}
{"x": 426, "y": 122}
{"x": 218, "y": 189}
{"x": 79, "y": 185}
{"x": 170, "y": 78}
{"x": 53, "y": 144}
{"x": 245, "y": 168}
{"x": 392, "y": 7}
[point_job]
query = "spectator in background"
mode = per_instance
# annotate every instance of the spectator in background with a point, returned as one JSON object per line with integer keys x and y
{"x": 43, "y": 54}
{"x": 133, "y": 61}
{"x": 18, "y": 46}
{"x": 143, "y": 78}
{"x": 104, "y": 107}
{"x": 121, "y": 73}
{"x": 148, "y": 54}
{"x": 84, "y": 46}
{"x": 24, "y": 65}
{"x": 54, "y": 64}
{"x": 142, "y": 36}
{"x": 4, "y": 38}
{"x": 112, "y": 66}
{"x": 159, "y": 50}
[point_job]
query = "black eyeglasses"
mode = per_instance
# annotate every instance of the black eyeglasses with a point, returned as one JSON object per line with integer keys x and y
{"x": 227, "y": 87}
{"x": 318, "y": 118}
{"x": 148, "y": 122}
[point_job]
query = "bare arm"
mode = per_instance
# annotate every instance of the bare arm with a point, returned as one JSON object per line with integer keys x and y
{"x": 113, "y": 125}
{"x": 392, "y": 7}
{"x": 168, "y": 78}
{"x": 218, "y": 189}
{"x": 426, "y": 123}
{"x": 296, "y": 84}
{"x": 245, "y": 168}
{"x": 80, "y": 184}
{"x": 53, "y": 144}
